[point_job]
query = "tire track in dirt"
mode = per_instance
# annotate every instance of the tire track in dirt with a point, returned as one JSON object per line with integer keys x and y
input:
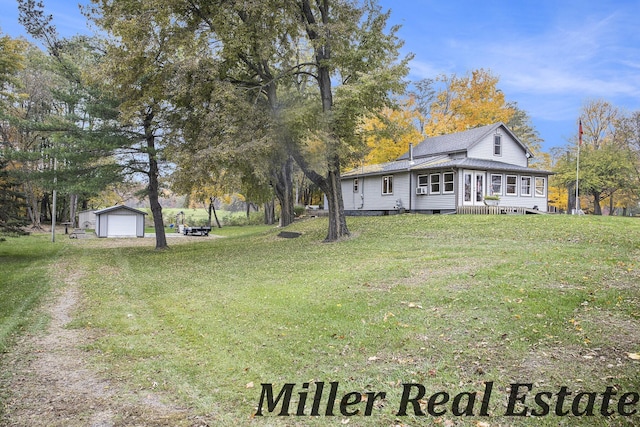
{"x": 51, "y": 383}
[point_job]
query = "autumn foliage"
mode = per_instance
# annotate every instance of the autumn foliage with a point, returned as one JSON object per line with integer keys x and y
{"x": 466, "y": 102}
{"x": 388, "y": 135}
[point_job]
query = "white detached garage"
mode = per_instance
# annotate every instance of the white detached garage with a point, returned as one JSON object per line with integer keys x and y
{"x": 120, "y": 221}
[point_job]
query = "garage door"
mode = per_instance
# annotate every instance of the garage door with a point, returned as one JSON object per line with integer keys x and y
{"x": 121, "y": 226}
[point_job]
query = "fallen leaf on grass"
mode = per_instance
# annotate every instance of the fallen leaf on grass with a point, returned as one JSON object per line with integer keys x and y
{"x": 249, "y": 385}
{"x": 634, "y": 356}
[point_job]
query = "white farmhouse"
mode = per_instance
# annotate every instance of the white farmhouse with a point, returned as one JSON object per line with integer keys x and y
{"x": 451, "y": 173}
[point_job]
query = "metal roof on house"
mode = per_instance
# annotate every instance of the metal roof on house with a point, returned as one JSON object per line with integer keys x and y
{"x": 439, "y": 163}
{"x": 457, "y": 142}
{"x": 435, "y": 153}
{"x": 390, "y": 167}
{"x": 116, "y": 207}
{"x": 482, "y": 164}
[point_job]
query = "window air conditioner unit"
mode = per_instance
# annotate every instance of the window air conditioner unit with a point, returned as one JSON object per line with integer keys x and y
{"x": 421, "y": 190}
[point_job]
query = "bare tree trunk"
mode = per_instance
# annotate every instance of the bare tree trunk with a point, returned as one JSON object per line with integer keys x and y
{"x": 212, "y": 208}
{"x": 73, "y": 208}
{"x": 154, "y": 184}
{"x": 32, "y": 206}
{"x": 269, "y": 212}
{"x": 332, "y": 188}
{"x": 284, "y": 192}
{"x": 45, "y": 207}
{"x": 62, "y": 209}
{"x": 337, "y": 220}
{"x": 597, "y": 210}
{"x": 323, "y": 54}
{"x": 611, "y": 205}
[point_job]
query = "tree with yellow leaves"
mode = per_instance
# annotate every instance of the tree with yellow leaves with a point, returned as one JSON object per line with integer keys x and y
{"x": 466, "y": 102}
{"x": 389, "y": 134}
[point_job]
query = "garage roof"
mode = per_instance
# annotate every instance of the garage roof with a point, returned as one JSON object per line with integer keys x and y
{"x": 116, "y": 207}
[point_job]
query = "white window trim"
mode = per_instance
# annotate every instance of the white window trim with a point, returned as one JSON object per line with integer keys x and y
{"x": 544, "y": 186}
{"x": 427, "y": 181}
{"x": 499, "y": 193}
{"x": 384, "y": 188}
{"x": 439, "y": 183}
{"x": 356, "y": 185}
{"x": 522, "y": 193}
{"x": 452, "y": 182}
{"x": 498, "y": 139}
{"x": 506, "y": 185}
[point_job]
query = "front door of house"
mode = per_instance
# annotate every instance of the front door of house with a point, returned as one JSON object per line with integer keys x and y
{"x": 473, "y": 185}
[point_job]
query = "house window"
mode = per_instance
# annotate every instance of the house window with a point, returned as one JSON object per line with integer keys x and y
{"x": 447, "y": 179}
{"x": 435, "y": 183}
{"x": 423, "y": 180}
{"x": 479, "y": 187}
{"x": 540, "y": 187}
{"x": 512, "y": 185}
{"x": 467, "y": 187}
{"x": 525, "y": 186}
{"x": 387, "y": 184}
{"x": 496, "y": 185}
{"x": 497, "y": 145}
{"x": 356, "y": 185}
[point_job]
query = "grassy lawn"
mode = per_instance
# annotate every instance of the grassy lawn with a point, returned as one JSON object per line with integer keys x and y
{"x": 24, "y": 280}
{"x": 448, "y": 302}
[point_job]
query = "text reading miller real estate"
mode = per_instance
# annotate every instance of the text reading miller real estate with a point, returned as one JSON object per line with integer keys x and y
{"x": 522, "y": 400}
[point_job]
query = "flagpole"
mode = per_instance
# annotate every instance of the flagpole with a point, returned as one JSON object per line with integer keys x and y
{"x": 578, "y": 166}
{"x": 53, "y": 209}
{"x": 577, "y": 180}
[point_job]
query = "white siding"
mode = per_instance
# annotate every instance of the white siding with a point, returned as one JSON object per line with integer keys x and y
{"x": 134, "y": 224}
{"x": 512, "y": 152}
{"x": 352, "y": 200}
{"x": 369, "y": 195}
{"x": 435, "y": 202}
{"x": 430, "y": 202}
{"x": 87, "y": 219}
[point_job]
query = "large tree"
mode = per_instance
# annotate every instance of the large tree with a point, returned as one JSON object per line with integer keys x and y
{"x": 226, "y": 129}
{"x": 142, "y": 55}
{"x": 356, "y": 67}
{"x": 65, "y": 120}
{"x": 389, "y": 134}
{"x": 318, "y": 68}
{"x": 607, "y": 161}
{"x": 254, "y": 48}
{"x": 464, "y": 102}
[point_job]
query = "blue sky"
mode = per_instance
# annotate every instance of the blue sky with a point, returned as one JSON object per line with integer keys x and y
{"x": 551, "y": 56}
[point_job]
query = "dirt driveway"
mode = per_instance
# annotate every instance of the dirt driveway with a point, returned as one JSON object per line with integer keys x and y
{"x": 49, "y": 382}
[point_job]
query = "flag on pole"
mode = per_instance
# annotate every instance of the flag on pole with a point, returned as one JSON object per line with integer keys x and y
{"x": 580, "y": 132}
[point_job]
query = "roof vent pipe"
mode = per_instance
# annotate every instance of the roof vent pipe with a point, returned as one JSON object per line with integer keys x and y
{"x": 411, "y": 151}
